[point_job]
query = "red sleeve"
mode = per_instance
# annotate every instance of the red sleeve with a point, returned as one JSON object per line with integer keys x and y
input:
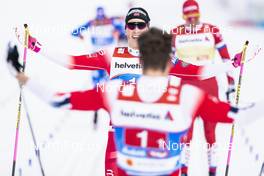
{"x": 223, "y": 52}
{"x": 185, "y": 70}
{"x": 216, "y": 34}
{"x": 211, "y": 109}
{"x": 90, "y": 100}
{"x": 219, "y": 43}
{"x": 96, "y": 61}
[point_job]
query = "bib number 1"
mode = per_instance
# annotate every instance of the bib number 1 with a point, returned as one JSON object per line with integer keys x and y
{"x": 144, "y": 138}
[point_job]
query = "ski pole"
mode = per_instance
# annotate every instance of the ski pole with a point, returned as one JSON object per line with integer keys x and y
{"x": 261, "y": 170}
{"x": 37, "y": 151}
{"x": 237, "y": 101}
{"x": 26, "y": 34}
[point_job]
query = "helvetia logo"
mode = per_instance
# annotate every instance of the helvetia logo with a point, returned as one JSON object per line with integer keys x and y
{"x": 126, "y": 65}
{"x": 134, "y": 114}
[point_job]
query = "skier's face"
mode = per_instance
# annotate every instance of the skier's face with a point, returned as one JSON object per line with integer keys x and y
{"x": 100, "y": 14}
{"x": 134, "y": 28}
{"x": 192, "y": 20}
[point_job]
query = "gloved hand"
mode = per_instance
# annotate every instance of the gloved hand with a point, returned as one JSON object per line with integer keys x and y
{"x": 230, "y": 93}
{"x": 14, "y": 66}
{"x": 33, "y": 44}
{"x": 237, "y": 60}
{"x": 12, "y": 60}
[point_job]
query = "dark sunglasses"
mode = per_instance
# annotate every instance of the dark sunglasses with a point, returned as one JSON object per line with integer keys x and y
{"x": 133, "y": 25}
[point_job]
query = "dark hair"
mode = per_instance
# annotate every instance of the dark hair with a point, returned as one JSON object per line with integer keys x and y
{"x": 155, "y": 49}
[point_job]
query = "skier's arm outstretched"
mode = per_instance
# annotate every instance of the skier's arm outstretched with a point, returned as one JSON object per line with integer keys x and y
{"x": 222, "y": 49}
{"x": 78, "y": 100}
{"x": 212, "y": 109}
{"x": 93, "y": 61}
{"x": 188, "y": 71}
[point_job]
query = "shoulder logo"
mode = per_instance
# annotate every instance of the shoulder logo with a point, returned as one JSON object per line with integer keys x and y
{"x": 121, "y": 50}
{"x": 127, "y": 90}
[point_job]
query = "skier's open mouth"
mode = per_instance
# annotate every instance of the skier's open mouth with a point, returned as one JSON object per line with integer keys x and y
{"x": 135, "y": 37}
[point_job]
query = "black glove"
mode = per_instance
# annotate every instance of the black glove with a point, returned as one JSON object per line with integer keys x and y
{"x": 230, "y": 93}
{"x": 12, "y": 58}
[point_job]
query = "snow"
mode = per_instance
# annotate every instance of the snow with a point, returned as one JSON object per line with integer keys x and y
{"x": 67, "y": 141}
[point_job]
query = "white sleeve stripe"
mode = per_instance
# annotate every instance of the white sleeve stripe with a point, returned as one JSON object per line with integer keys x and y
{"x": 220, "y": 44}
